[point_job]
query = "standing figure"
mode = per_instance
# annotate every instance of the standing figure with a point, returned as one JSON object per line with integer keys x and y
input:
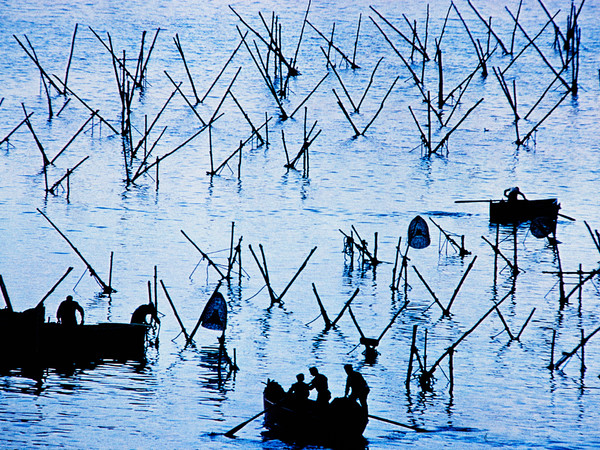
{"x": 357, "y": 385}
{"x": 143, "y": 311}
{"x": 319, "y": 383}
{"x": 513, "y": 193}
{"x": 66, "y": 313}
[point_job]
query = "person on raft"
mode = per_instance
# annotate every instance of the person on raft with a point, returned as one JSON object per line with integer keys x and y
{"x": 319, "y": 383}
{"x": 66, "y": 313}
{"x": 142, "y": 312}
{"x": 513, "y": 193}
{"x": 356, "y": 386}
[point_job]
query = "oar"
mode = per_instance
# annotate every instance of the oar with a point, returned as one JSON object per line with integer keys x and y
{"x": 237, "y": 428}
{"x": 566, "y": 217}
{"x": 393, "y": 422}
{"x": 475, "y": 201}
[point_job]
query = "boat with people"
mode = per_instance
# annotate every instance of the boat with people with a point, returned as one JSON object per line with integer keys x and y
{"x": 514, "y": 210}
{"x": 518, "y": 211}
{"x": 339, "y": 423}
{"x": 28, "y": 341}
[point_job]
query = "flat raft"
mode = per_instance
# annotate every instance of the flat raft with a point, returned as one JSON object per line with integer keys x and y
{"x": 339, "y": 424}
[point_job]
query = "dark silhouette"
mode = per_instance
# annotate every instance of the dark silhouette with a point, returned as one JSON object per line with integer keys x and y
{"x": 66, "y": 313}
{"x": 142, "y": 312}
{"x": 513, "y": 193}
{"x": 357, "y": 385}
{"x": 299, "y": 390}
{"x": 319, "y": 383}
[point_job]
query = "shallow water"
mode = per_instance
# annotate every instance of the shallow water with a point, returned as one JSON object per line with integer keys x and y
{"x": 503, "y": 393}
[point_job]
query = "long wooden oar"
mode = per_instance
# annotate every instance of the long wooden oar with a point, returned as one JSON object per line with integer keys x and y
{"x": 393, "y": 422}
{"x": 237, "y": 428}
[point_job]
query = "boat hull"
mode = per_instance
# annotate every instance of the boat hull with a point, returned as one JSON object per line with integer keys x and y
{"x": 341, "y": 423}
{"x": 517, "y": 211}
{"x": 28, "y": 341}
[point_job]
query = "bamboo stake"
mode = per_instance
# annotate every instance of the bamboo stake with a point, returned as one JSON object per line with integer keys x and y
{"x": 7, "y": 137}
{"x": 107, "y": 289}
{"x": 187, "y": 70}
{"x": 291, "y": 70}
{"x": 70, "y": 57}
{"x": 567, "y": 355}
{"x": 429, "y": 372}
{"x": 177, "y": 87}
{"x": 414, "y": 47}
{"x": 341, "y": 105}
{"x": 506, "y": 52}
{"x": 380, "y": 106}
{"x": 336, "y": 48}
{"x": 445, "y": 312}
{"x": 66, "y": 175}
{"x": 339, "y": 79}
{"x": 204, "y": 255}
{"x": 5, "y": 295}
{"x": 322, "y": 308}
{"x": 70, "y": 91}
{"x": 224, "y": 67}
{"x": 346, "y": 306}
{"x": 73, "y": 137}
{"x": 369, "y": 85}
{"x": 185, "y": 333}
{"x": 41, "y": 302}
{"x": 539, "y": 51}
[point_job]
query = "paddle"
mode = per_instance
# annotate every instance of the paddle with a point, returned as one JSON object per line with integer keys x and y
{"x": 237, "y": 428}
{"x": 566, "y": 217}
{"x": 393, "y": 422}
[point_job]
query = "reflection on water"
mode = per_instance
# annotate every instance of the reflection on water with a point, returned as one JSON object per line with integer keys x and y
{"x": 186, "y": 396}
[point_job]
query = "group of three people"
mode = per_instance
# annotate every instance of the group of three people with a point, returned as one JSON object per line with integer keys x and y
{"x": 356, "y": 387}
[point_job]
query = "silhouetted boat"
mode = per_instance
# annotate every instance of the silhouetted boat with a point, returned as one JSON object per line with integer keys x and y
{"x": 517, "y": 211}
{"x": 27, "y": 341}
{"x": 341, "y": 423}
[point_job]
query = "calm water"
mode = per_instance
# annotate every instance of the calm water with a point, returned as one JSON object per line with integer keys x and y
{"x": 503, "y": 396}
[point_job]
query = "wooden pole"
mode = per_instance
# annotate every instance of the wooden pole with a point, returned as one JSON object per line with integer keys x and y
{"x": 187, "y": 338}
{"x": 107, "y": 289}
{"x": 5, "y": 295}
{"x": 322, "y": 308}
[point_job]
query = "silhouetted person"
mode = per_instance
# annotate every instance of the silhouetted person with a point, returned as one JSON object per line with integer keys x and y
{"x": 299, "y": 390}
{"x": 319, "y": 383}
{"x": 513, "y": 193}
{"x": 142, "y": 312}
{"x": 357, "y": 386}
{"x": 66, "y": 313}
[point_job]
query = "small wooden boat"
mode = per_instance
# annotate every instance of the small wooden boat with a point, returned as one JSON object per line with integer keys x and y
{"x": 341, "y": 423}
{"x": 27, "y": 341}
{"x": 517, "y": 211}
